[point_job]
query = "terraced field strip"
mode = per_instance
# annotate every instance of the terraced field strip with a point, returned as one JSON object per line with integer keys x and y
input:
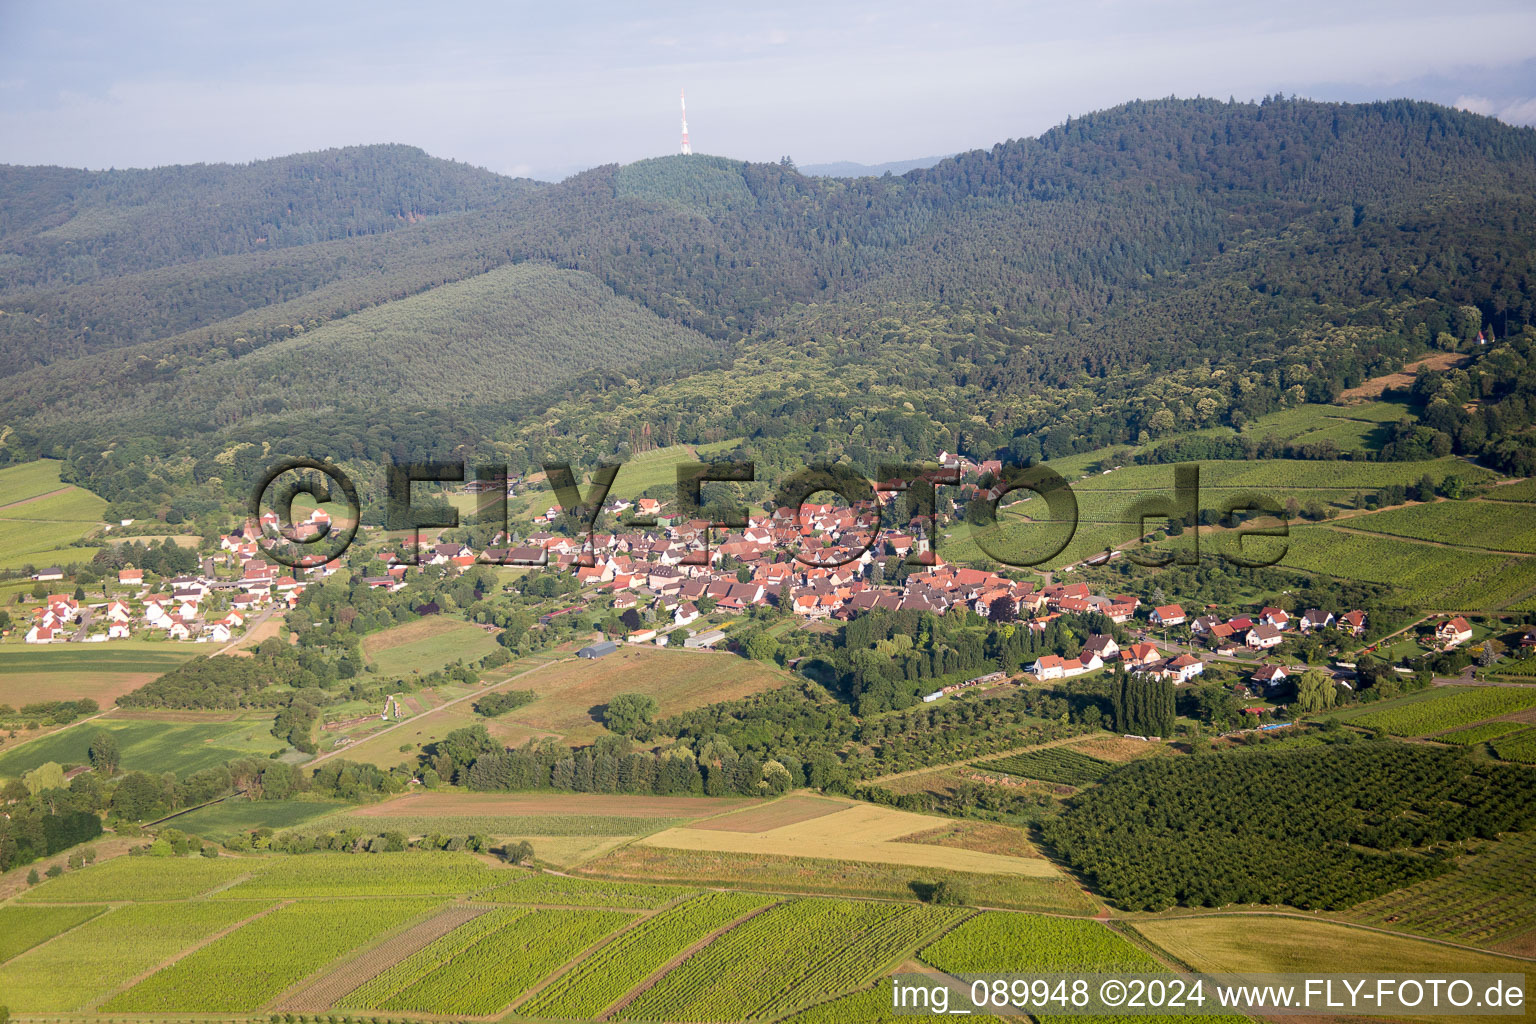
{"x": 324, "y": 991}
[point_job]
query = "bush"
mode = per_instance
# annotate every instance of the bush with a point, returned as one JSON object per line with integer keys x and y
{"x": 54, "y": 870}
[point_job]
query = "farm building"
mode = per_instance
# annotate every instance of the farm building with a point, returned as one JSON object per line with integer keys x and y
{"x": 597, "y": 650}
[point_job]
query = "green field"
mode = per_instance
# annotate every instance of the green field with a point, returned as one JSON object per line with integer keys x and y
{"x": 102, "y": 672}
{"x": 1352, "y": 428}
{"x": 991, "y": 942}
{"x": 21, "y": 927}
{"x": 152, "y": 745}
{"x": 1519, "y": 747}
{"x": 1054, "y": 764}
{"x": 792, "y": 955}
{"x": 82, "y": 966}
{"x": 143, "y": 878}
{"x": 587, "y": 892}
{"x": 1453, "y": 706}
{"x": 1523, "y": 490}
{"x": 254, "y": 963}
{"x": 1475, "y": 734}
{"x": 1483, "y": 524}
{"x": 340, "y": 874}
{"x": 641, "y": 951}
{"x": 38, "y": 525}
{"x": 1422, "y": 575}
{"x": 511, "y": 951}
{"x": 228, "y": 817}
{"x": 426, "y": 645}
{"x": 658, "y": 467}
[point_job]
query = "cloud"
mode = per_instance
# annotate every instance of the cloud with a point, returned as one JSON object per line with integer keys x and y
{"x": 1521, "y": 111}
{"x": 1474, "y": 104}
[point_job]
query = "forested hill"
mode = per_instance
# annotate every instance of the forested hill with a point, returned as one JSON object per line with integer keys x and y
{"x": 1263, "y": 253}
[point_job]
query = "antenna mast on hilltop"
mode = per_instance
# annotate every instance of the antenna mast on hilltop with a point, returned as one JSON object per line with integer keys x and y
{"x": 687, "y": 149}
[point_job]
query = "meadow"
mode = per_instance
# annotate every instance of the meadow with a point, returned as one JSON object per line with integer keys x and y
{"x": 151, "y": 744}
{"x": 572, "y": 694}
{"x": 428, "y": 644}
{"x": 102, "y": 672}
{"x": 658, "y": 467}
{"x": 1452, "y": 707}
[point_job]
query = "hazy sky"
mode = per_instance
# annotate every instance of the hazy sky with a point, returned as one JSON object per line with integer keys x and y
{"x": 546, "y": 89}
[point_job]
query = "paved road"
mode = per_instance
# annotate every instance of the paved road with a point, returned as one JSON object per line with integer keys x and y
{"x": 86, "y": 615}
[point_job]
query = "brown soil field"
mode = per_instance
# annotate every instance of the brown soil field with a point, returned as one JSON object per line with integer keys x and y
{"x": 1374, "y": 387}
{"x": 788, "y": 811}
{"x": 1120, "y": 749}
{"x": 614, "y": 805}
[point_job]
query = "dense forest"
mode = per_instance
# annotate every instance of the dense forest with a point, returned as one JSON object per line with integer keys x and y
{"x": 1158, "y": 268}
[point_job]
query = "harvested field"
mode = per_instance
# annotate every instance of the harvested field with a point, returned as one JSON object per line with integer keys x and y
{"x": 1376, "y": 386}
{"x": 789, "y": 811}
{"x": 980, "y": 836}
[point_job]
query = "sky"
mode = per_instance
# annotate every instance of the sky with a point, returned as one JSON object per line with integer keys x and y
{"x": 545, "y": 90}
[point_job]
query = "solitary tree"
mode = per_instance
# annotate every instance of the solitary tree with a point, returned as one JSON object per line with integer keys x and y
{"x": 630, "y": 713}
{"x": 1314, "y": 691}
{"x": 104, "y": 753}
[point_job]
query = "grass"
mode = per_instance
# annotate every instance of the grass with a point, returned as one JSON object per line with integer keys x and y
{"x": 1489, "y": 899}
{"x": 1258, "y": 943}
{"x": 658, "y": 467}
{"x": 21, "y": 927}
{"x": 833, "y": 877}
{"x": 233, "y": 816}
{"x": 82, "y": 966}
{"x": 1452, "y": 707}
{"x": 28, "y": 480}
{"x": 426, "y": 645}
{"x": 151, "y": 744}
{"x": 256, "y": 962}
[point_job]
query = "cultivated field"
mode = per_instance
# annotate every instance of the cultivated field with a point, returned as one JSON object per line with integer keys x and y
{"x": 790, "y": 810}
{"x": 183, "y": 743}
{"x": 41, "y": 516}
{"x": 1450, "y": 707}
{"x": 1495, "y": 526}
{"x": 1422, "y": 575}
{"x": 858, "y": 832}
{"x": 234, "y": 815}
{"x": 102, "y": 672}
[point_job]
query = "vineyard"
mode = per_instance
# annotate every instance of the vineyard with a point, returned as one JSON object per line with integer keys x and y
{"x": 79, "y": 967}
{"x": 1491, "y": 525}
{"x": 1490, "y": 897}
{"x": 1423, "y": 575}
{"x": 762, "y": 962}
{"x": 257, "y": 961}
{"x": 637, "y": 954}
{"x": 1458, "y": 706}
{"x": 1053, "y": 764}
{"x": 1520, "y": 747}
{"x": 21, "y": 928}
{"x": 587, "y": 892}
{"x": 996, "y": 942}
{"x": 504, "y": 953}
{"x": 341, "y": 874}
{"x": 142, "y": 878}
{"x": 1475, "y": 734}
{"x": 873, "y": 1006}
